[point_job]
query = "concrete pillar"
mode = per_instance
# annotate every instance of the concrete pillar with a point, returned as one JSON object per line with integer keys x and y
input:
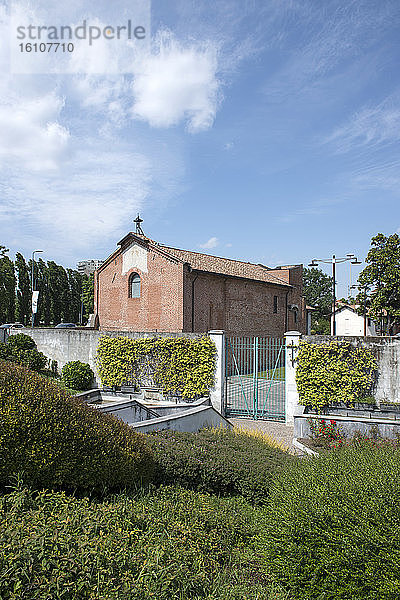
{"x": 292, "y": 339}
{"x": 217, "y": 392}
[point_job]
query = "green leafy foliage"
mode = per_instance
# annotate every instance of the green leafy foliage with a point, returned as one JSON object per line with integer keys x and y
{"x": 217, "y": 461}
{"x": 318, "y": 293}
{"x": 77, "y": 375}
{"x": 181, "y": 366}
{"x": 59, "y": 441}
{"x": 332, "y": 525}
{"x": 334, "y": 372}
{"x": 33, "y": 359}
{"x": 4, "y": 351}
{"x": 172, "y": 544}
{"x": 24, "y": 291}
{"x": 7, "y": 287}
{"x": 21, "y": 349}
{"x": 21, "y": 341}
{"x": 88, "y": 294}
{"x": 383, "y": 274}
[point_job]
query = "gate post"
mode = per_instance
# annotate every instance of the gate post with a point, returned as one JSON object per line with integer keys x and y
{"x": 292, "y": 339}
{"x": 217, "y": 392}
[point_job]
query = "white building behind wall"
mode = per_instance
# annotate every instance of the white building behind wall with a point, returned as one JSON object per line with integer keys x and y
{"x": 349, "y": 322}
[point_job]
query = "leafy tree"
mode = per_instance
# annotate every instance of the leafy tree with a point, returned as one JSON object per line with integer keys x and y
{"x": 7, "y": 287}
{"x": 75, "y": 293}
{"x": 88, "y": 294}
{"x": 41, "y": 282}
{"x": 24, "y": 292}
{"x": 382, "y": 276}
{"x": 317, "y": 289}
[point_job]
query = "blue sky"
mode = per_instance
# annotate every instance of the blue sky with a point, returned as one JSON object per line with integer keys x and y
{"x": 262, "y": 130}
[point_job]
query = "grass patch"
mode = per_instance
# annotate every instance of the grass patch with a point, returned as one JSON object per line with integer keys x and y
{"x": 278, "y": 374}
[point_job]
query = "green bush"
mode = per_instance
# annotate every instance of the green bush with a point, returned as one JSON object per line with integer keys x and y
{"x": 4, "y": 351}
{"x": 31, "y": 358}
{"x": 77, "y": 375}
{"x": 171, "y": 545}
{"x": 332, "y": 525}
{"x": 180, "y": 366}
{"x": 334, "y": 372}
{"x": 21, "y": 341}
{"x": 59, "y": 441}
{"x": 21, "y": 349}
{"x": 217, "y": 461}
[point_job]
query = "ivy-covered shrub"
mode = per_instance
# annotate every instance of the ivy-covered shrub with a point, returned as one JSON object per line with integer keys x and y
{"x": 334, "y": 372}
{"x": 21, "y": 341}
{"x": 332, "y": 525}
{"x": 217, "y": 461}
{"x": 180, "y": 366}
{"x": 172, "y": 544}
{"x": 77, "y": 375}
{"x": 56, "y": 440}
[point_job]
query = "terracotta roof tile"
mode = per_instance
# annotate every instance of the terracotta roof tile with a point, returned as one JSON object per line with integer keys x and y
{"x": 228, "y": 266}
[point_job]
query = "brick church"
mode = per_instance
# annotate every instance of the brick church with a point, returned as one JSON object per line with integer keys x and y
{"x": 147, "y": 286}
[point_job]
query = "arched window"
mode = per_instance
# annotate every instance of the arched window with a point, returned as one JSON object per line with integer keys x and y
{"x": 134, "y": 285}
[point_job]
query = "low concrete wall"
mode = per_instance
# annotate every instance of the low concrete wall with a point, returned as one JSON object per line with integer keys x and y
{"x": 191, "y": 420}
{"x": 388, "y": 428}
{"x": 64, "y": 345}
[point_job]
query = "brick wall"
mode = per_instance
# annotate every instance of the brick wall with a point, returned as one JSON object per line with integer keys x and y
{"x": 160, "y": 305}
{"x": 238, "y": 305}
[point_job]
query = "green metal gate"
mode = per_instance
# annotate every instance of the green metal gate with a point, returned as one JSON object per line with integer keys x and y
{"x": 255, "y": 377}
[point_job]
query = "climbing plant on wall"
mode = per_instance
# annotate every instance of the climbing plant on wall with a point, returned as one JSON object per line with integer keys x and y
{"x": 180, "y": 366}
{"x": 334, "y": 372}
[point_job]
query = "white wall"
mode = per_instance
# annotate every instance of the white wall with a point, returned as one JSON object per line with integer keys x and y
{"x": 349, "y": 323}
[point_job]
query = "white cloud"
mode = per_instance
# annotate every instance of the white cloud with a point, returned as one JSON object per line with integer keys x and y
{"x": 370, "y": 126}
{"x": 83, "y": 207}
{"x": 31, "y": 132}
{"x": 211, "y": 243}
{"x": 177, "y": 83}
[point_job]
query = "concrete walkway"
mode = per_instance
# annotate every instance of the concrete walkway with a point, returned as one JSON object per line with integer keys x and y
{"x": 279, "y": 431}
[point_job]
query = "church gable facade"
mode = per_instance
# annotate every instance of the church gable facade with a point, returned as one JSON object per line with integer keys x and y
{"x": 145, "y": 286}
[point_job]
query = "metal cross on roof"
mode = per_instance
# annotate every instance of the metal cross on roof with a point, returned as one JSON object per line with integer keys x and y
{"x": 138, "y": 222}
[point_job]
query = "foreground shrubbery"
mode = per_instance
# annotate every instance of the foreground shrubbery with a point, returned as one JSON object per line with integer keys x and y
{"x": 59, "y": 441}
{"x": 332, "y": 525}
{"x": 170, "y": 545}
{"x": 218, "y": 461}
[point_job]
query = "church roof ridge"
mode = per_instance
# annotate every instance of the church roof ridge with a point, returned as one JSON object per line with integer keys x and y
{"x": 247, "y": 269}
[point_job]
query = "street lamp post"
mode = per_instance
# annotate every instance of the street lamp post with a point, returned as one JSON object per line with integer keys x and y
{"x": 33, "y": 282}
{"x": 334, "y": 261}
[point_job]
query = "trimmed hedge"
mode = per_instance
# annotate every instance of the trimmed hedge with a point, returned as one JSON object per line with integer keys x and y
{"x": 77, "y": 375}
{"x": 217, "y": 461}
{"x": 333, "y": 373}
{"x": 171, "y": 545}
{"x": 180, "y": 366}
{"x": 56, "y": 440}
{"x": 332, "y": 525}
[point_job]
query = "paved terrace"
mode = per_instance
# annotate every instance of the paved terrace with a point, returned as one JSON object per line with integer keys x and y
{"x": 279, "y": 431}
